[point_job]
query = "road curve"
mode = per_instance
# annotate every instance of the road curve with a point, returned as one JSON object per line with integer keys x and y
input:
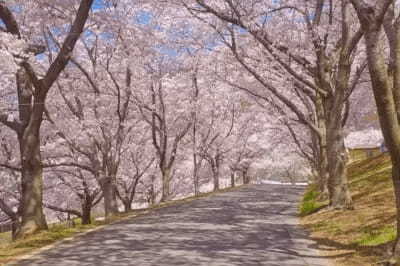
{"x": 253, "y": 225}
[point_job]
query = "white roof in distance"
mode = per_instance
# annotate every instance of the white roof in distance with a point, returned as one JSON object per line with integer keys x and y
{"x": 365, "y": 139}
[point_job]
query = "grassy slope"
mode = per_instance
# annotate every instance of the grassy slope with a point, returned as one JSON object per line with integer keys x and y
{"x": 361, "y": 236}
{"x": 10, "y": 251}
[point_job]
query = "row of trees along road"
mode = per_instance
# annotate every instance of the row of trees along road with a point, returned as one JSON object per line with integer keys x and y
{"x": 121, "y": 100}
{"x": 102, "y": 115}
{"x": 309, "y": 57}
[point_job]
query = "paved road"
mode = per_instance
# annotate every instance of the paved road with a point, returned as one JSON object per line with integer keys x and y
{"x": 254, "y": 225}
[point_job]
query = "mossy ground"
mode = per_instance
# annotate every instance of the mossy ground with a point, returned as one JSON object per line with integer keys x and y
{"x": 310, "y": 203}
{"x": 10, "y": 251}
{"x": 361, "y": 236}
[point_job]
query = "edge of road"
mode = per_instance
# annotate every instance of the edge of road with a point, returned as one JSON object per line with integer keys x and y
{"x": 298, "y": 235}
{"x": 36, "y": 253}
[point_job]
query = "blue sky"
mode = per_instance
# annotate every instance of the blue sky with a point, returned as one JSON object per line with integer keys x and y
{"x": 98, "y": 4}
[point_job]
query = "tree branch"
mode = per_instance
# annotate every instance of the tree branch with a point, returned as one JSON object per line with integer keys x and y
{"x": 66, "y": 50}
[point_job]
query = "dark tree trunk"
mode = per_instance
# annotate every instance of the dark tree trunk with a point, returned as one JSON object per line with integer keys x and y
{"x": 86, "y": 213}
{"x": 339, "y": 193}
{"x": 166, "y": 180}
{"x": 31, "y": 209}
{"x": 386, "y": 87}
{"x": 196, "y": 179}
{"x": 127, "y": 205}
{"x": 323, "y": 173}
{"x": 14, "y": 229}
{"x": 31, "y": 205}
{"x": 110, "y": 196}
{"x": 396, "y": 184}
{"x": 320, "y": 142}
{"x": 233, "y": 179}
{"x": 215, "y": 172}
{"x": 246, "y": 179}
{"x": 195, "y": 158}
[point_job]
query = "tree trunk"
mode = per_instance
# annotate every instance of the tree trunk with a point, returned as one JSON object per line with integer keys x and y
{"x": 196, "y": 185}
{"x": 246, "y": 179}
{"x": 334, "y": 105}
{"x": 86, "y": 213}
{"x": 196, "y": 181}
{"x": 153, "y": 195}
{"x": 396, "y": 184}
{"x": 339, "y": 193}
{"x": 195, "y": 159}
{"x": 195, "y": 177}
{"x": 233, "y": 179}
{"x": 215, "y": 171}
{"x": 320, "y": 142}
{"x": 14, "y": 228}
{"x": 166, "y": 180}
{"x": 110, "y": 196}
{"x": 151, "y": 199}
{"x": 386, "y": 92}
{"x": 127, "y": 205}
{"x": 31, "y": 204}
{"x": 31, "y": 210}
{"x": 323, "y": 173}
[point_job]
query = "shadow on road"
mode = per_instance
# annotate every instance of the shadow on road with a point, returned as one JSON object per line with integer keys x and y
{"x": 255, "y": 225}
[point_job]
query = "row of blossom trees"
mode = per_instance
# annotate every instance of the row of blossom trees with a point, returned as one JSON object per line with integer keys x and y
{"x": 113, "y": 111}
{"x": 118, "y": 102}
{"x": 308, "y": 58}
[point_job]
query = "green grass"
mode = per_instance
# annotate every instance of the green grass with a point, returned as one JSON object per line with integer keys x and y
{"x": 310, "y": 195}
{"x": 328, "y": 227}
{"x": 310, "y": 203}
{"x": 56, "y": 232}
{"x": 376, "y": 237}
{"x": 368, "y": 230}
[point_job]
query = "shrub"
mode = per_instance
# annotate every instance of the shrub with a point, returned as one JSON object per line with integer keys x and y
{"x": 310, "y": 204}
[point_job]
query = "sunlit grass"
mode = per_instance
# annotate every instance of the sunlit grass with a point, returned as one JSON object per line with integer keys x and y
{"x": 376, "y": 237}
{"x": 361, "y": 236}
{"x": 310, "y": 203}
{"x": 56, "y": 232}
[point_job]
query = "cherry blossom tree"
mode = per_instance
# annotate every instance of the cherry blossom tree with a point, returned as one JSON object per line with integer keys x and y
{"x": 167, "y": 118}
{"x": 377, "y": 18}
{"x": 31, "y": 90}
{"x": 101, "y": 141}
{"x": 154, "y": 100}
{"x": 306, "y": 63}
{"x": 136, "y": 166}
{"x": 73, "y": 192}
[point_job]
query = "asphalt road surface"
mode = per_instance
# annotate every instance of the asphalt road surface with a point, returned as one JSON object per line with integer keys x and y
{"x": 254, "y": 225}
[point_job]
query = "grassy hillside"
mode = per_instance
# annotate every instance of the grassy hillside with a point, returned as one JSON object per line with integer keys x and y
{"x": 361, "y": 236}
